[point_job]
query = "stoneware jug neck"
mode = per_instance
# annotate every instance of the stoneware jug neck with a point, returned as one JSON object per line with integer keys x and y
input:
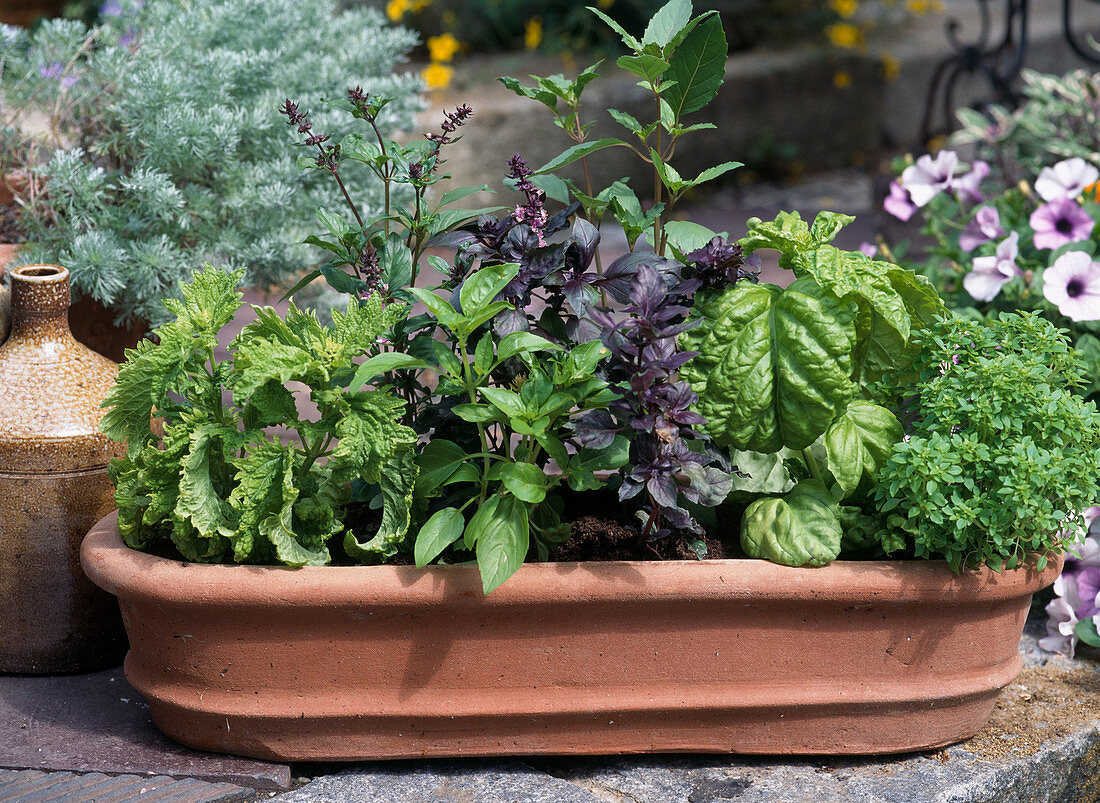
{"x": 40, "y": 300}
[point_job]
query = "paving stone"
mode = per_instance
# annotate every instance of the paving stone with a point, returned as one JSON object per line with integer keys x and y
{"x": 97, "y": 722}
{"x": 32, "y": 786}
{"x": 441, "y": 782}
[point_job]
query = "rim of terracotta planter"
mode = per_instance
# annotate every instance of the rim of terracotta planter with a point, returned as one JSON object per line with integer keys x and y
{"x": 115, "y": 566}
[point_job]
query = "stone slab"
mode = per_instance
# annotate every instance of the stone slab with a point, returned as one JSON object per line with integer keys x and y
{"x": 441, "y": 782}
{"x": 31, "y": 786}
{"x": 97, "y": 722}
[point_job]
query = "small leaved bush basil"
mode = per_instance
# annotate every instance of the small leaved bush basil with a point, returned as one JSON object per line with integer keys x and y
{"x": 1003, "y": 456}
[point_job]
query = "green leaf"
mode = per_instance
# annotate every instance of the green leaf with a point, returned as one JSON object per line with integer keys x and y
{"x": 527, "y": 482}
{"x": 859, "y": 442}
{"x": 440, "y": 307}
{"x": 852, "y": 276}
{"x": 482, "y": 286}
{"x": 397, "y": 482}
{"x": 483, "y": 354}
{"x": 439, "y": 532}
{"x": 507, "y": 401}
{"x": 774, "y": 365}
{"x": 685, "y": 236}
{"x": 580, "y": 363}
{"x": 698, "y": 67}
{"x": 627, "y": 121}
{"x": 457, "y": 194}
{"x": 667, "y": 22}
{"x": 576, "y": 152}
{"x": 383, "y": 364}
{"x": 395, "y": 260}
{"x": 476, "y": 413}
{"x": 503, "y": 537}
{"x": 1086, "y": 631}
{"x": 648, "y": 67}
{"x": 712, "y": 173}
{"x": 628, "y": 40}
{"x": 523, "y": 343}
{"x": 799, "y": 529}
{"x": 767, "y": 474}
{"x": 199, "y": 502}
{"x": 788, "y": 234}
{"x": 827, "y": 225}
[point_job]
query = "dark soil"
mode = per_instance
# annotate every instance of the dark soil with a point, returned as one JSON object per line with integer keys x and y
{"x": 602, "y": 538}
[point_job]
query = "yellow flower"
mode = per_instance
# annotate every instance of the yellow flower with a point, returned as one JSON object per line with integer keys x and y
{"x": 842, "y": 79}
{"x": 891, "y": 67}
{"x": 919, "y": 8}
{"x": 845, "y": 35}
{"x": 845, "y": 9}
{"x": 419, "y": 5}
{"x": 442, "y": 47}
{"x": 437, "y": 76}
{"x": 395, "y": 9}
{"x": 532, "y": 33}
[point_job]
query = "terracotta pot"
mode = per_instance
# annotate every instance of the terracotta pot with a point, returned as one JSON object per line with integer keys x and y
{"x": 343, "y": 663}
{"x": 53, "y": 485}
{"x": 24, "y": 12}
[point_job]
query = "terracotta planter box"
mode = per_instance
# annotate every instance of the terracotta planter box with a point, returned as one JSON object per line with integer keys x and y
{"x": 596, "y": 658}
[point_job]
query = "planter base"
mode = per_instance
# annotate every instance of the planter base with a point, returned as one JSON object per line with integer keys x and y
{"x": 737, "y": 656}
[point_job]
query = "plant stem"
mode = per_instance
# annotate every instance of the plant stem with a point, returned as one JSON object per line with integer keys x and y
{"x": 812, "y": 465}
{"x": 471, "y": 390}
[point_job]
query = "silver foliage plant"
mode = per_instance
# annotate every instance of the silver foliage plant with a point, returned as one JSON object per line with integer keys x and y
{"x": 161, "y": 146}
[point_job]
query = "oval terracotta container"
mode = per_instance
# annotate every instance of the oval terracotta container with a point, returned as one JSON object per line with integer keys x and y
{"x": 341, "y": 663}
{"x": 53, "y": 485}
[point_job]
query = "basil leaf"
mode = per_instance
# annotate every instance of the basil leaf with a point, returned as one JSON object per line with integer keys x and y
{"x": 439, "y": 532}
{"x": 773, "y": 366}
{"x": 859, "y": 442}
{"x": 501, "y": 531}
{"x": 799, "y": 529}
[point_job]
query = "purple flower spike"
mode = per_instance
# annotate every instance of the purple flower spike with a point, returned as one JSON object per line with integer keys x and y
{"x": 929, "y": 177}
{"x": 898, "y": 203}
{"x": 1067, "y": 179}
{"x": 110, "y": 9}
{"x": 985, "y": 226}
{"x": 990, "y": 274}
{"x": 1072, "y": 284}
{"x": 1060, "y": 221}
{"x": 967, "y": 186}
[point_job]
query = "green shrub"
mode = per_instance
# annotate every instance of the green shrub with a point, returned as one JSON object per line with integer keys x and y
{"x": 165, "y": 147}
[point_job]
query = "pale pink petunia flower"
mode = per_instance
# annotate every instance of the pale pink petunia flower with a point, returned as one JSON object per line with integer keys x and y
{"x": 1060, "y": 221}
{"x": 1072, "y": 284}
{"x": 898, "y": 203}
{"x": 967, "y": 186}
{"x": 985, "y": 226}
{"x": 868, "y": 249}
{"x": 930, "y": 176}
{"x": 992, "y": 273}
{"x": 1067, "y": 179}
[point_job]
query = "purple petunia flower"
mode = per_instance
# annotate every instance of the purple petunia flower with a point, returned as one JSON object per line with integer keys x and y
{"x": 990, "y": 274}
{"x": 1067, "y": 179}
{"x": 1077, "y": 597}
{"x": 1072, "y": 284}
{"x": 930, "y": 176}
{"x": 1060, "y": 221}
{"x": 966, "y": 187}
{"x": 868, "y": 249}
{"x": 898, "y": 203}
{"x": 983, "y": 227}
